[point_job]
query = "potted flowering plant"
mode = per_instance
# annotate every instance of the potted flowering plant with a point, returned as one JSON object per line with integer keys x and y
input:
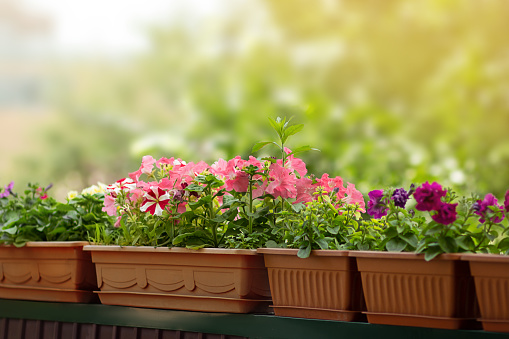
{"x": 41, "y": 255}
{"x": 430, "y": 287}
{"x": 490, "y": 267}
{"x": 203, "y": 223}
{"x": 310, "y": 230}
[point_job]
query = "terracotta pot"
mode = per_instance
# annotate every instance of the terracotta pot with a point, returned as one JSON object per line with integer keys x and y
{"x": 208, "y": 280}
{"x": 47, "y": 271}
{"x": 326, "y": 285}
{"x": 404, "y": 289}
{"x": 491, "y": 275}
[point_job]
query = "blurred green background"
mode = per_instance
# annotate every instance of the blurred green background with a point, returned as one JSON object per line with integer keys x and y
{"x": 392, "y": 92}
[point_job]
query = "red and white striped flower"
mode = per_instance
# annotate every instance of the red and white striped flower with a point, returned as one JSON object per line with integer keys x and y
{"x": 125, "y": 184}
{"x": 155, "y": 200}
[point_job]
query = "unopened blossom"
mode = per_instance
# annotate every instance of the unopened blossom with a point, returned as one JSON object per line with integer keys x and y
{"x": 446, "y": 214}
{"x": 155, "y": 200}
{"x": 428, "y": 196}
{"x": 376, "y": 207}
{"x": 481, "y": 208}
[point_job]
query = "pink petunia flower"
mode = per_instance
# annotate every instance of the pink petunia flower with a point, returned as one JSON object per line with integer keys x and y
{"x": 109, "y": 205}
{"x": 294, "y": 164}
{"x": 235, "y": 178}
{"x": 305, "y": 190}
{"x": 329, "y": 184}
{"x": 155, "y": 200}
{"x": 353, "y": 196}
{"x": 282, "y": 182}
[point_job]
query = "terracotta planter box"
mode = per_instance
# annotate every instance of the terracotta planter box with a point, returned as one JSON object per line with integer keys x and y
{"x": 491, "y": 275}
{"x": 208, "y": 280}
{"x": 47, "y": 271}
{"x": 326, "y": 285}
{"x": 403, "y": 289}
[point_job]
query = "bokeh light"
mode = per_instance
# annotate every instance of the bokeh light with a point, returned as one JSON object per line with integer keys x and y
{"x": 392, "y": 92}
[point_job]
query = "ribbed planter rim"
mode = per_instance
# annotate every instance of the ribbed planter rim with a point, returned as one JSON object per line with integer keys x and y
{"x": 116, "y": 248}
{"x": 293, "y": 252}
{"x": 402, "y": 255}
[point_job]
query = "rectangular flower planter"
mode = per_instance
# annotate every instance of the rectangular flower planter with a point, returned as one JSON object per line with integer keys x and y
{"x": 491, "y": 276}
{"x": 404, "y": 289}
{"x": 207, "y": 280}
{"x": 326, "y": 285}
{"x": 47, "y": 271}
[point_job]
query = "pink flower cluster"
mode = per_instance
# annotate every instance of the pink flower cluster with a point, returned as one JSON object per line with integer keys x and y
{"x": 164, "y": 190}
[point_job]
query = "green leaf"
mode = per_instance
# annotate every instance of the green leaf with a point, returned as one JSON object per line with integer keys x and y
{"x": 259, "y": 145}
{"x": 466, "y": 242}
{"x": 304, "y": 252}
{"x": 11, "y": 230}
{"x": 396, "y": 245}
{"x": 322, "y": 243}
{"x": 194, "y": 188}
{"x": 291, "y": 131}
{"x": 271, "y": 244}
{"x": 503, "y": 245}
{"x": 276, "y": 125}
{"x": 432, "y": 252}
{"x": 333, "y": 230}
{"x": 64, "y": 208}
{"x": 448, "y": 244}
{"x": 410, "y": 238}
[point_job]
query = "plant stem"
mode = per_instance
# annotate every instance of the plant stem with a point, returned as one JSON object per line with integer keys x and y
{"x": 250, "y": 204}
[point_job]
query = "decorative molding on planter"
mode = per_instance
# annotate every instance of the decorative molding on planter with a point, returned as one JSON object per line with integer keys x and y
{"x": 326, "y": 285}
{"x": 404, "y": 289}
{"x": 211, "y": 280}
{"x": 47, "y": 271}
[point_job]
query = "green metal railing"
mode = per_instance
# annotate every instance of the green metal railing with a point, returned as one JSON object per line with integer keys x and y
{"x": 246, "y": 325}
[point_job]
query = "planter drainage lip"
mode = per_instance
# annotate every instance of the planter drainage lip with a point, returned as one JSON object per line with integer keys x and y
{"x": 485, "y": 257}
{"x": 422, "y": 321}
{"x": 150, "y": 249}
{"x": 402, "y": 255}
{"x": 303, "y": 312}
{"x": 293, "y": 252}
{"x": 188, "y": 302}
{"x": 47, "y": 294}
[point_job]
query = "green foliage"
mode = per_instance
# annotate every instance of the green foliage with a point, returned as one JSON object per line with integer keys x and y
{"x": 409, "y": 230}
{"x": 324, "y": 223}
{"x": 34, "y": 216}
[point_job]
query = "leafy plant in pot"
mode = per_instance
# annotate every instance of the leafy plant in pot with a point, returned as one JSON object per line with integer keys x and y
{"x": 41, "y": 255}
{"x": 430, "y": 287}
{"x": 319, "y": 217}
{"x": 219, "y": 213}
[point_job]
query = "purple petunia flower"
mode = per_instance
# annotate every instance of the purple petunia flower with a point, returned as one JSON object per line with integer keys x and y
{"x": 428, "y": 196}
{"x": 446, "y": 214}
{"x": 377, "y": 208}
{"x": 400, "y": 197}
{"x": 481, "y": 208}
{"x": 8, "y": 190}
